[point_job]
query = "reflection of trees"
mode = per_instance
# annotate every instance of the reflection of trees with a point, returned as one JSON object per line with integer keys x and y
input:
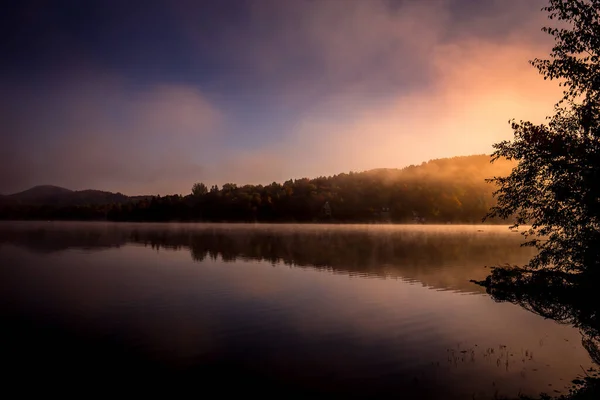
{"x": 43, "y": 239}
{"x": 563, "y": 297}
{"x": 412, "y": 253}
{"x": 405, "y": 253}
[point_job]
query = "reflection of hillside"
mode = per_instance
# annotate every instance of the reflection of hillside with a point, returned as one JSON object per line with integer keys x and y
{"x": 46, "y": 237}
{"x": 440, "y": 257}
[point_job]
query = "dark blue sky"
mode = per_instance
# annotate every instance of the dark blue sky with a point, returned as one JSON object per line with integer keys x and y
{"x": 151, "y": 96}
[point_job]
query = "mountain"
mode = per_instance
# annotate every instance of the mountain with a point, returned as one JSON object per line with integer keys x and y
{"x": 40, "y": 192}
{"x": 57, "y": 196}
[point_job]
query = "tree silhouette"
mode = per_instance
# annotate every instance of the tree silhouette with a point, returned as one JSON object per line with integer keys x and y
{"x": 199, "y": 189}
{"x": 555, "y": 186}
{"x": 440, "y": 191}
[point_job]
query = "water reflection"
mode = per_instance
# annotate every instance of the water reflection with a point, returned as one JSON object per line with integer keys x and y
{"x": 566, "y": 298}
{"x": 288, "y": 310}
{"x": 428, "y": 254}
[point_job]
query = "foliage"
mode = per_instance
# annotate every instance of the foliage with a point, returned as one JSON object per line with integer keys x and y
{"x": 445, "y": 190}
{"x": 199, "y": 189}
{"x": 555, "y": 186}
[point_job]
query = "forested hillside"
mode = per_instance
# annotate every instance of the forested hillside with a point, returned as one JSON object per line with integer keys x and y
{"x": 450, "y": 190}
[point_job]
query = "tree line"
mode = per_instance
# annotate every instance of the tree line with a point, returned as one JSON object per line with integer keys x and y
{"x": 451, "y": 190}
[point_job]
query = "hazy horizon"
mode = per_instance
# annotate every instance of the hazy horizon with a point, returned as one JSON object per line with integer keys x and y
{"x": 147, "y": 98}
{"x": 498, "y": 168}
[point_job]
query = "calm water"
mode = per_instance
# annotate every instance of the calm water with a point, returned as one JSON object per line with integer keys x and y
{"x": 274, "y": 309}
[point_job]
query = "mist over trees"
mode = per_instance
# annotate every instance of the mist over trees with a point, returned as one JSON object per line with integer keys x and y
{"x": 450, "y": 190}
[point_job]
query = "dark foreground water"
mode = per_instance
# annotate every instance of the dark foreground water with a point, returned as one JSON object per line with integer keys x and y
{"x": 277, "y": 310}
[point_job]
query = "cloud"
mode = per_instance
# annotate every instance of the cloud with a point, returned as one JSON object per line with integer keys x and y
{"x": 299, "y": 49}
{"x": 103, "y": 135}
{"x": 475, "y": 86}
{"x": 279, "y": 89}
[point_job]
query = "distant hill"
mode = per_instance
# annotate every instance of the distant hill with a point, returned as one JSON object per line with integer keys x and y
{"x": 59, "y": 196}
{"x": 447, "y": 190}
{"x": 474, "y": 169}
{"x": 40, "y": 192}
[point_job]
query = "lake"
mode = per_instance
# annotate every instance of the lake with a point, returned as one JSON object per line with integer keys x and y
{"x": 286, "y": 310}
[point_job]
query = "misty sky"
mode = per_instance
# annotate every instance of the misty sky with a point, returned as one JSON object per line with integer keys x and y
{"x": 147, "y": 97}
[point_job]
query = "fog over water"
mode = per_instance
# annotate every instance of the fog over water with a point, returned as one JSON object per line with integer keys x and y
{"x": 343, "y": 310}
